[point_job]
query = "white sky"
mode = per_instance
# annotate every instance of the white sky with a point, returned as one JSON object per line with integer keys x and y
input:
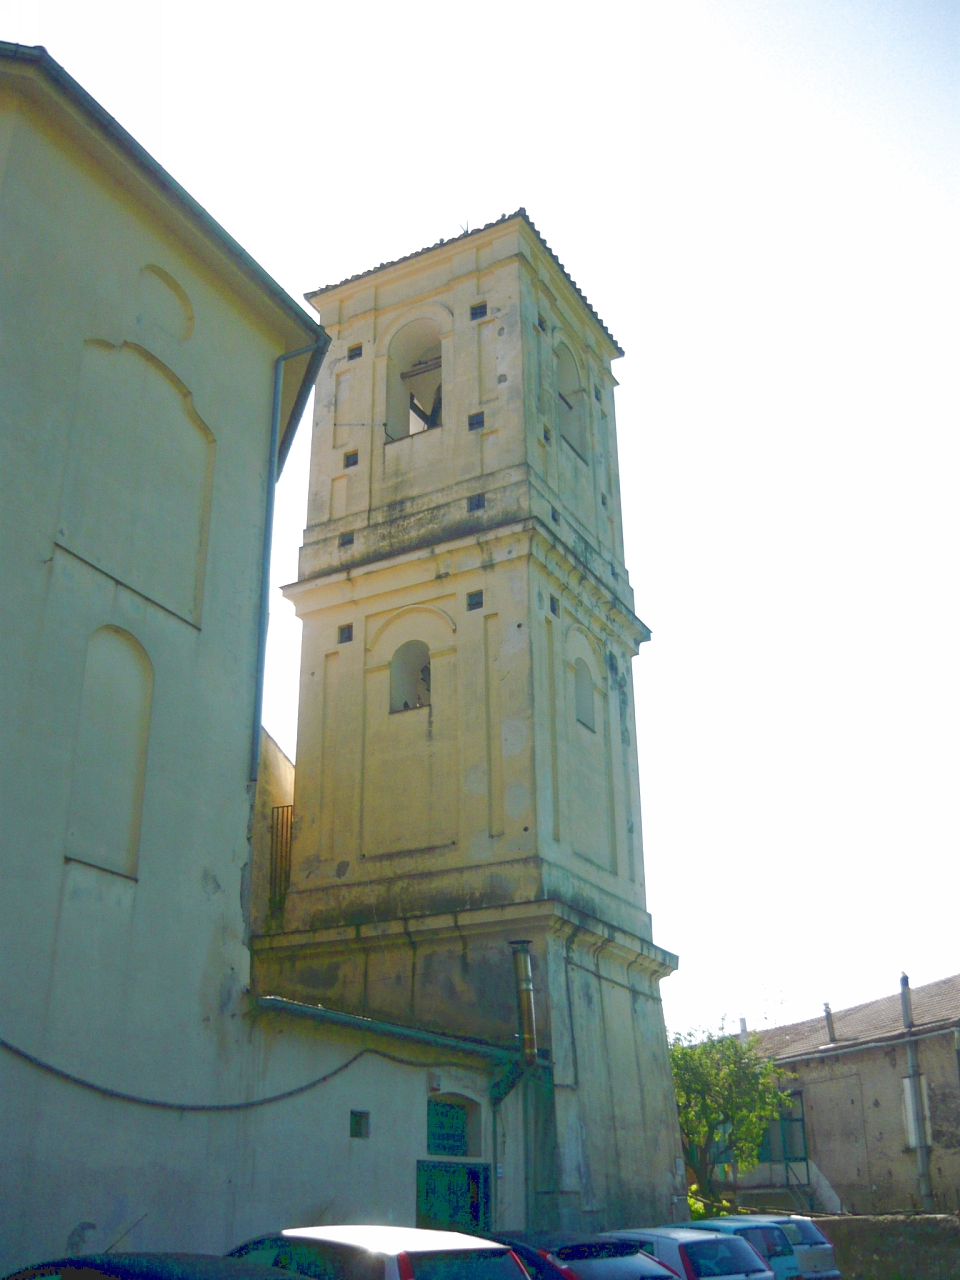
{"x": 760, "y": 199}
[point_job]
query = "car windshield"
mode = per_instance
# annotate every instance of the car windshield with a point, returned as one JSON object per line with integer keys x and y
{"x": 800, "y": 1231}
{"x": 770, "y": 1242}
{"x": 728, "y": 1257}
{"x": 467, "y": 1264}
{"x": 608, "y": 1260}
{"x": 318, "y": 1259}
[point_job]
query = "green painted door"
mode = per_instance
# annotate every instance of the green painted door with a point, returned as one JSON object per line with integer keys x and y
{"x": 453, "y": 1196}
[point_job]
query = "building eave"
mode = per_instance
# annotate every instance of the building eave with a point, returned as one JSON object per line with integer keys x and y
{"x": 838, "y": 1049}
{"x": 353, "y": 1022}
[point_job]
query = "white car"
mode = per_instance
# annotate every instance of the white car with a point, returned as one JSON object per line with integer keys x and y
{"x": 814, "y": 1251}
{"x": 382, "y": 1253}
{"x": 691, "y": 1253}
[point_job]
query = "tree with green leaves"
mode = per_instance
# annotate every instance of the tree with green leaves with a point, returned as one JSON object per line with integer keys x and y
{"x": 727, "y": 1094}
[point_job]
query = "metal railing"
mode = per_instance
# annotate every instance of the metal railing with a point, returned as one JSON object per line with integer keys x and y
{"x": 281, "y": 829}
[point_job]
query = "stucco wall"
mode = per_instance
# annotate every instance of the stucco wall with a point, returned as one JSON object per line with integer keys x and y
{"x": 853, "y": 1104}
{"x": 206, "y": 1181}
{"x": 922, "y": 1247}
{"x": 134, "y": 432}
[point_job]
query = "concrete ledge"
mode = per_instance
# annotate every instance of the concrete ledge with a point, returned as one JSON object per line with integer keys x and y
{"x": 895, "y": 1246}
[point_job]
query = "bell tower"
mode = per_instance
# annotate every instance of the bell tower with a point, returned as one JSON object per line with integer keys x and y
{"x": 466, "y": 766}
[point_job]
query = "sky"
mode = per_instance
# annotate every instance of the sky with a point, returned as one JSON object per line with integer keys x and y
{"x": 760, "y": 200}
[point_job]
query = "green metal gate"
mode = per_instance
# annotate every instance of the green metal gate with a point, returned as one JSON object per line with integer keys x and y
{"x": 453, "y": 1196}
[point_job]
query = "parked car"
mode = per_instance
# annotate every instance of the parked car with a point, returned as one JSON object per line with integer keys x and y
{"x": 572, "y": 1256}
{"x": 769, "y": 1240}
{"x": 692, "y": 1253}
{"x": 814, "y": 1251}
{"x": 147, "y": 1266}
{"x": 382, "y": 1253}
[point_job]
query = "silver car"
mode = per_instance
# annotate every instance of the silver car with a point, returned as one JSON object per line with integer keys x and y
{"x": 382, "y": 1253}
{"x": 814, "y": 1251}
{"x": 693, "y": 1253}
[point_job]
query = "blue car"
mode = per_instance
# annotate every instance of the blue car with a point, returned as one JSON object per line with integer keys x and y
{"x": 769, "y": 1240}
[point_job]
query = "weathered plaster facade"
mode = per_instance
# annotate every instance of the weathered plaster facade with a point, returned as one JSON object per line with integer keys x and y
{"x": 850, "y": 1074}
{"x": 146, "y": 1095}
{"x": 466, "y": 762}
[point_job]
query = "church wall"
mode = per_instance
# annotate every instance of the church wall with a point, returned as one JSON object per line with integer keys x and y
{"x": 75, "y": 299}
{"x": 587, "y": 785}
{"x": 208, "y": 1181}
{"x": 481, "y": 370}
{"x": 617, "y": 1139}
{"x": 134, "y": 473}
{"x": 343, "y": 720}
{"x": 459, "y": 770}
{"x": 123, "y": 923}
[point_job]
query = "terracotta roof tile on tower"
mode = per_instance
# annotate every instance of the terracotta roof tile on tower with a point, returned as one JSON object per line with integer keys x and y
{"x": 936, "y": 1004}
{"x": 504, "y": 218}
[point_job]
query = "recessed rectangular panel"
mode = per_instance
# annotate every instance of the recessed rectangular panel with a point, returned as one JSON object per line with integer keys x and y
{"x": 136, "y": 500}
{"x": 410, "y": 766}
{"x": 488, "y": 361}
{"x": 338, "y": 497}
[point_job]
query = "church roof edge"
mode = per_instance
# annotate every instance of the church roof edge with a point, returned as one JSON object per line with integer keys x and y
{"x": 442, "y": 244}
{"x": 38, "y": 56}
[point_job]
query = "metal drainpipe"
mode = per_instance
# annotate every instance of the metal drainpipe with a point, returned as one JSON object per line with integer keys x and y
{"x": 268, "y": 544}
{"x": 916, "y": 1099}
{"x": 528, "y": 1016}
{"x": 528, "y": 1028}
{"x": 494, "y": 1190}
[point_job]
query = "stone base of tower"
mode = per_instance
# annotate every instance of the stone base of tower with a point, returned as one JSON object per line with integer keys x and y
{"x": 600, "y": 1115}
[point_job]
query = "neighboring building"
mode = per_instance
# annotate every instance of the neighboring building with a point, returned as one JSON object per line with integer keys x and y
{"x": 849, "y": 1139}
{"x": 467, "y": 762}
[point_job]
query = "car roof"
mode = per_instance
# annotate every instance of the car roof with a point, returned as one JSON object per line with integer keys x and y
{"x": 777, "y": 1217}
{"x": 680, "y": 1234}
{"x": 552, "y": 1239}
{"x": 392, "y": 1240}
{"x": 742, "y": 1222}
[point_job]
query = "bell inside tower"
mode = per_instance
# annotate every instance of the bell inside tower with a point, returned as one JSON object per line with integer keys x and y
{"x": 414, "y": 380}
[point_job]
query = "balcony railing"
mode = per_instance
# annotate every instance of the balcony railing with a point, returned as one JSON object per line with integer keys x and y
{"x": 281, "y": 829}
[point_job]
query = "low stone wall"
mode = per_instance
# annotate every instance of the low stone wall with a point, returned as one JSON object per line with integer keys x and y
{"x": 896, "y": 1246}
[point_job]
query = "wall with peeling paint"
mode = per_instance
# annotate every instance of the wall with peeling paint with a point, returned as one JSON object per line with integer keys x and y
{"x": 856, "y": 1127}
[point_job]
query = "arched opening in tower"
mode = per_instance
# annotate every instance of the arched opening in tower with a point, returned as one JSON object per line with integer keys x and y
{"x": 410, "y": 677}
{"x": 414, "y": 380}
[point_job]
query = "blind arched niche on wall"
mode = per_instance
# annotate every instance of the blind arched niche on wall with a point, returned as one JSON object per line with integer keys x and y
{"x": 110, "y": 757}
{"x": 583, "y": 694}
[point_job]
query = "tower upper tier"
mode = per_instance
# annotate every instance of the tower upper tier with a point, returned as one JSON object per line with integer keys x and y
{"x": 468, "y": 386}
